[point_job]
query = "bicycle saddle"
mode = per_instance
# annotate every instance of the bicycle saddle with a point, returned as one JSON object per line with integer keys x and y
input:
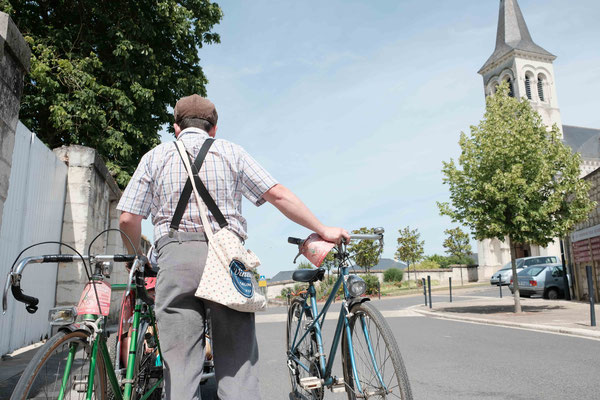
{"x": 309, "y": 275}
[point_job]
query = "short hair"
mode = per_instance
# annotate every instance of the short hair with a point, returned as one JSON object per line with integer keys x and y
{"x": 200, "y": 123}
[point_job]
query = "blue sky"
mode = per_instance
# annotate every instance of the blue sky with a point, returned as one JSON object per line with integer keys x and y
{"x": 353, "y": 105}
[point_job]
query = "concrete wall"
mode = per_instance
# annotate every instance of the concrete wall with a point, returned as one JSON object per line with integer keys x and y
{"x": 14, "y": 64}
{"x": 90, "y": 208}
{"x": 458, "y": 273}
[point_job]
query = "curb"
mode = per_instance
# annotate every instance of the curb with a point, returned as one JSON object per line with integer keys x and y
{"x": 584, "y": 333}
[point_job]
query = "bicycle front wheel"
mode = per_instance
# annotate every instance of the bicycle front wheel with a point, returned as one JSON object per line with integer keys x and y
{"x": 379, "y": 367}
{"x": 46, "y": 374}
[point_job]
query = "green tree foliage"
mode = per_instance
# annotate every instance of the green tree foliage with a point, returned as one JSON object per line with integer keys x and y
{"x": 328, "y": 262}
{"x": 372, "y": 284}
{"x": 410, "y": 247}
{"x": 365, "y": 252}
{"x": 426, "y": 264}
{"x": 515, "y": 180}
{"x": 104, "y": 73}
{"x": 447, "y": 261}
{"x": 392, "y": 275}
{"x": 304, "y": 265}
{"x": 457, "y": 243}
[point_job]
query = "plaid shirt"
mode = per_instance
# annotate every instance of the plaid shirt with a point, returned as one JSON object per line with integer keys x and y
{"x": 228, "y": 172}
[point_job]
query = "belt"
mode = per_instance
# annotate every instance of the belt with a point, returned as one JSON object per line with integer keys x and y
{"x": 180, "y": 237}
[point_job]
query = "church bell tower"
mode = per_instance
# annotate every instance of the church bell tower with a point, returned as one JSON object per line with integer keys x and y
{"x": 525, "y": 65}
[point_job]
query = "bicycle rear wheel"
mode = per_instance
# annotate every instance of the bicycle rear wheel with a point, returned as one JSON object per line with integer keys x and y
{"x": 306, "y": 351}
{"x": 44, "y": 377}
{"x": 379, "y": 366}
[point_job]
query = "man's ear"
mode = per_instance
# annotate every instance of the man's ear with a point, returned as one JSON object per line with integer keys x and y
{"x": 213, "y": 131}
{"x": 177, "y": 129}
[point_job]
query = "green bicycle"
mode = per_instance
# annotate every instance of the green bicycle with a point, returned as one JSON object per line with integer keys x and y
{"x": 371, "y": 361}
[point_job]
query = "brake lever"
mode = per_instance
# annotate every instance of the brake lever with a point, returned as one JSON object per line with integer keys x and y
{"x": 297, "y": 255}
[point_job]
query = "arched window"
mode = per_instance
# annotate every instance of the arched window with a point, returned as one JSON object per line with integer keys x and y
{"x": 511, "y": 91}
{"x": 540, "y": 87}
{"x": 528, "y": 86}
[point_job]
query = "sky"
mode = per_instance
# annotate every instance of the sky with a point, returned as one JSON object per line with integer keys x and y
{"x": 353, "y": 105}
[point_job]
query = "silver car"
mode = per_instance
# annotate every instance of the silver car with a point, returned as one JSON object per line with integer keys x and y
{"x": 504, "y": 274}
{"x": 544, "y": 280}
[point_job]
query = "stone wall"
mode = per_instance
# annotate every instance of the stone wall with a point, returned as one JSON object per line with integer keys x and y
{"x": 90, "y": 208}
{"x": 14, "y": 64}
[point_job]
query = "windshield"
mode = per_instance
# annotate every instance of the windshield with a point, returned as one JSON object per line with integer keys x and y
{"x": 531, "y": 271}
{"x": 509, "y": 265}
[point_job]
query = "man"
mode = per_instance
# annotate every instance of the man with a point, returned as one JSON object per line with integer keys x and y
{"x": 228, "y": 173}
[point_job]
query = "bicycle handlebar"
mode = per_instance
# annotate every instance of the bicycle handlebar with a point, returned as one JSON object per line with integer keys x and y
{"x": 370, "y": 236}
{"x": 13, "y": 280}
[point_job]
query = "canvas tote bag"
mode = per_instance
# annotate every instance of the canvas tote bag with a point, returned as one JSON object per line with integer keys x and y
{"x": 227, "y": 278}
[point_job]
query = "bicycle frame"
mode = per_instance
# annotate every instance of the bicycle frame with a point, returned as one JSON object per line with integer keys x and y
{"x": 99, "y": 344}
{"x": 343, "y": 327}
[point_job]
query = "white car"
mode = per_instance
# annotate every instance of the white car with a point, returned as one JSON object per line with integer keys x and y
{"x": 503, "y": 275}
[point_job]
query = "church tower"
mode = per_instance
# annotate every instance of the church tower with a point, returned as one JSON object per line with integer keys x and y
{"x": 528, "y": 69}
{"x": 525, "y": 65}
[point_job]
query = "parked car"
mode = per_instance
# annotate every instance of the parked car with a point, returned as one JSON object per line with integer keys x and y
{"x": 544, "y": 280}
{"x": 506, "y": 271}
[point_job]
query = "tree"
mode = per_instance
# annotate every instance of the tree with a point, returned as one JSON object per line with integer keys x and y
{"x": 410, "y": 248}
{"x": 103, "y": 74}
{"x": 457, "y": 243}
{"x": 304, "y": 265}
{"x": 328, "y": 262}
{"x": 365, "y": 252}
{"x": 515, "y": 179}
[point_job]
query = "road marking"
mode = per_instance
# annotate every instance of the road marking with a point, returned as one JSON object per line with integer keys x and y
{"x": 268, "y": 318}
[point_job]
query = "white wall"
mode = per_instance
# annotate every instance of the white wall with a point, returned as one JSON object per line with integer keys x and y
{"x": 32, "y": 213}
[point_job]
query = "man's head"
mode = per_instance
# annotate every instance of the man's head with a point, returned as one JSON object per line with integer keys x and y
{"x": 195, "y": 111}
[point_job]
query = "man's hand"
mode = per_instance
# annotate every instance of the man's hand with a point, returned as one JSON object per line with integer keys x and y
{"x": 334, "y": 235}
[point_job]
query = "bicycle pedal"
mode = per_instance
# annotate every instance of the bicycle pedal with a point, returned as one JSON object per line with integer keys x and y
{"x": 339, "y": 386}
{"x": 80, "y": 385}
{"x": 311, "y": 383}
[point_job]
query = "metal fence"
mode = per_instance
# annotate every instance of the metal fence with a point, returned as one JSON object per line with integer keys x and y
{"x": 33, "y": 212}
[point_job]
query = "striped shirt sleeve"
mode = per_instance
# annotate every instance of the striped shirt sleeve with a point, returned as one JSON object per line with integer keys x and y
{"x": 137, "y": 197}
{"x": 255, "y": 180}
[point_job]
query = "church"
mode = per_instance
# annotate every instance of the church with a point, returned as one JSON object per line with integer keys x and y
{"x": 528, "y": 69}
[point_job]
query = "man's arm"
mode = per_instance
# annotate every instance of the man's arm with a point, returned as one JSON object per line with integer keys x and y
{"x": 131, "y": 224}
{"x": 294, "y": 209}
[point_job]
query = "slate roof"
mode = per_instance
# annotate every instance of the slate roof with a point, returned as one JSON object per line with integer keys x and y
{"x": 282, "y": 276}
{"x": 513, "y": 34}
{"x": 585, "y": 141}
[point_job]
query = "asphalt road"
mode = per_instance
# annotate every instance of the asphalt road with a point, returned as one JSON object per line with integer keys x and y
{"x": 456, "y": 360}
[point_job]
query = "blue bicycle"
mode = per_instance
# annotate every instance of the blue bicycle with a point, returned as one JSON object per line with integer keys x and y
{"x": 371, "y": 361}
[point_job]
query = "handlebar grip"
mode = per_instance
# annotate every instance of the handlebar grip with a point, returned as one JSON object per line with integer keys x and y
{"x": 293, "y": 240}
{"x": 124, "y": 257}
{"x": 30, "y": 301}
{"x": 54, "y": 258}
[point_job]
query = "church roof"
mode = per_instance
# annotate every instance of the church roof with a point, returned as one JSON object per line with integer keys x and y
{"x": 585, "y": 141}
{"x": 513, "y": 34}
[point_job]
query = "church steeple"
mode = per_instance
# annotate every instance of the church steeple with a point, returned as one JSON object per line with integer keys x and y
{"x": 513, "y": 34}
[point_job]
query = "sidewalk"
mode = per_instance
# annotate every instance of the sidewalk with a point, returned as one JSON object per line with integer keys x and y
{"x": 556, "y": 316}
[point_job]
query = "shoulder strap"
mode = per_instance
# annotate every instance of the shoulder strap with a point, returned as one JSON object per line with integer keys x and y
{"x": 187, "y": 192}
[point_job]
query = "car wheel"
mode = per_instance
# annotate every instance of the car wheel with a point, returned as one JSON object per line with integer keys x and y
{"x": 552, "y": 294}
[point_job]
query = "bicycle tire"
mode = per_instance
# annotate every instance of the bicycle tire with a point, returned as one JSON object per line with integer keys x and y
{"x": 29, "y": 385}
{"x": 306, "y": 351}
{"x": 386, "y": 353}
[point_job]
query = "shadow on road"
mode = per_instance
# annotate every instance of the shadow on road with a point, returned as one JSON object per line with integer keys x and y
{"x": 497, "y": 309}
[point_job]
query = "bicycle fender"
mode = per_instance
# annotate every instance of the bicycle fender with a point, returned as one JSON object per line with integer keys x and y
{"x": 76, "y": 327}
{"x": 357, "y": 300}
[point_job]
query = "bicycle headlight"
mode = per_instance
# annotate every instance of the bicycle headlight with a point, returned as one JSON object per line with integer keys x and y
{"x": 62, "y": 315}
{"x": 356, "y": 285}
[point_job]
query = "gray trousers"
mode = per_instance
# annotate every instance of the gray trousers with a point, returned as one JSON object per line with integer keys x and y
{"x": 180, "y": 317}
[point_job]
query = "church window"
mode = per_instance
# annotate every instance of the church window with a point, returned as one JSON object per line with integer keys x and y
{"x": 528, "y": 86}
{"x": 540, "y": 87}
{"x": 511, "y": 91}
